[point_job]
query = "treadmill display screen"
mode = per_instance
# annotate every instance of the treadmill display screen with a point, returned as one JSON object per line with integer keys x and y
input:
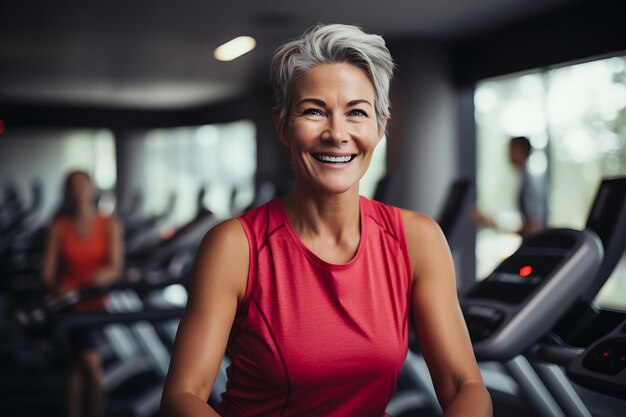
{"x": 525, "y": 269}
{"x": 516, "y": 278}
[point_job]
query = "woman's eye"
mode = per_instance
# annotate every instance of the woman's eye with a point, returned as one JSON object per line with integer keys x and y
{"x": 312, "y": 112}
{"x": 358, "y": 112}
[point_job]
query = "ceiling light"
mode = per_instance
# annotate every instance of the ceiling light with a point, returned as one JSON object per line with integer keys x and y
{"x": 234, "y": 48}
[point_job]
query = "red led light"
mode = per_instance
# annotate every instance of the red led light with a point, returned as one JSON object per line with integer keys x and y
{"x": 2, "y": 125}
{"x": 525, "y": 271}
{"x": 605, "y": 354}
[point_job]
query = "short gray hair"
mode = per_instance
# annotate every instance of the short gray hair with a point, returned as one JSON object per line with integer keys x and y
{"x": 332, "y": 44}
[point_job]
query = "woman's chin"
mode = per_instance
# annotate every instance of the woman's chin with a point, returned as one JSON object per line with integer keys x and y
{"x": 337, "y": 188}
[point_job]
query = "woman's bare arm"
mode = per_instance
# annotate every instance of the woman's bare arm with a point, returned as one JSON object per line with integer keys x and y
{"x": 439, "y": 323}
{"x": 218, "y": 282}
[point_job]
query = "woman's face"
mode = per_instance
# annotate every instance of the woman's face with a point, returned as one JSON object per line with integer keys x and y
{"x": 80, "y": 191}
{"x": 332, "y": 129}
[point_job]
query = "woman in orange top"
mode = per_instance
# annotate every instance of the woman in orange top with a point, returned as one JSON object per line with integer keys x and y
{"x": 87, "y": 248}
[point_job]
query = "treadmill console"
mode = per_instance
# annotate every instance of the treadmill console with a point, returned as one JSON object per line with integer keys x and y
{"x": 517, "y": 277}
{"x": 524, "y": 296}
{"x": 602, "y": 367}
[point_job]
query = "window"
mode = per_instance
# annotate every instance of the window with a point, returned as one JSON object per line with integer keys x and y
{"x": 42, "y": 157}
{"x": 575, "y": 118}
{"x": 180, "y": 161}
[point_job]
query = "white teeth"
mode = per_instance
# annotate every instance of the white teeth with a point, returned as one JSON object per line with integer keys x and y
{"x": 328, "y": 158}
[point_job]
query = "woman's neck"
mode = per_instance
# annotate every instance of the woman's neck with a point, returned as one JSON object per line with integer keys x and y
{"x": 83, "y": 212}
{"x": 329, "y": 218}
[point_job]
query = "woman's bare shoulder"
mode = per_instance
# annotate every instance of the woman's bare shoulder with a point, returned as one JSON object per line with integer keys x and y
{"x": 223, "y": 257}
{"x": 113, "y": 221}
{"x": 229, "y": 234}
{"x": 419, "y": 226}
{"x": 425, "y": 240}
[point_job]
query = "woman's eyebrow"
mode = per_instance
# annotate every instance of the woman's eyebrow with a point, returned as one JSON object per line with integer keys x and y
{"x": 315, "y": 101}
{"x": 358, "y": 101}
{"x": 322, "y": 103}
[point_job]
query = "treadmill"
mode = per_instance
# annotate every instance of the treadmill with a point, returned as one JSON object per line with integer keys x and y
{"x": 540, "y": 298}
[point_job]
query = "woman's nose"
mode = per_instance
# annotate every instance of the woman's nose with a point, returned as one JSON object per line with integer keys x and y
{"x": 336, "y": 131}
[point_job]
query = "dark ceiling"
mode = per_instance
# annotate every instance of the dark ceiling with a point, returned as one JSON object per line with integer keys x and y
{"x": 157, "y": 54}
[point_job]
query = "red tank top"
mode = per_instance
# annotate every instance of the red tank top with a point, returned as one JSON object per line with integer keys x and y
{"x": 312, "y": 338}
{"x": 82, "y": 256}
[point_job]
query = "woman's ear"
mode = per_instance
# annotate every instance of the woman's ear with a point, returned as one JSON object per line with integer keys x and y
{"x": 278, "y": 127}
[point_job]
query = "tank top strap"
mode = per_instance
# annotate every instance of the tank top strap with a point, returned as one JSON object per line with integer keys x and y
{"x": 389, "y": 218}
{"x": 102, "y": 224}
{"x": 64, "y": 225}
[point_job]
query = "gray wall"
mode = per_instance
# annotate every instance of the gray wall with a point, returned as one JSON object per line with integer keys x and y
{"x": 422, "y": 132}
{"x": 431, "y": 141}
{"x": 131, "y": 168}
{"x": 272, "y": 158}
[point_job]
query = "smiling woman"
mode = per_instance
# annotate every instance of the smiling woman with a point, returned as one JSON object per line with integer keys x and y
{"x": 310, "y": 295}
{"x": 332, "y": 129}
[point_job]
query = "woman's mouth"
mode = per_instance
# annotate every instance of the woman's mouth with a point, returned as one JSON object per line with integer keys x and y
{"x": 333, "y": 159}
